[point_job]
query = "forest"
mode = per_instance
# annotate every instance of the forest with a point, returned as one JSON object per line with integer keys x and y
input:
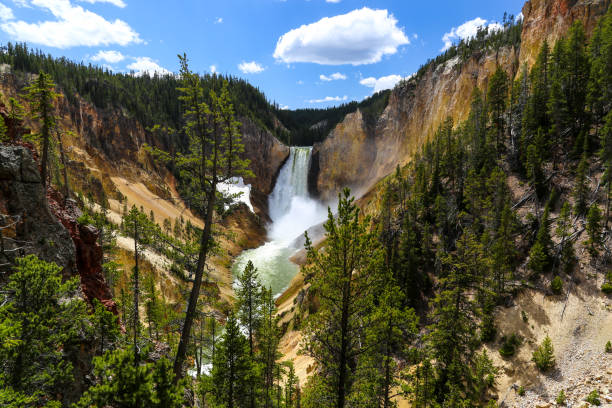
{"x": 399, "y": 304}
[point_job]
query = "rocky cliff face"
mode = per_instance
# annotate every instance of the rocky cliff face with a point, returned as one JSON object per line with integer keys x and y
{"x": 355, "y": 156}
{"x": 267, "y": 156}
{"x": 549, "y": 20}
{"x": 34, "y": 229}
{"x": 46, "y": 226}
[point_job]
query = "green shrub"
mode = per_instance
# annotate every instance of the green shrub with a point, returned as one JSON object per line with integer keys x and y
{"x": 561, "y": 398}
{"x": 556, "y": 285}
{"x": 593, "y": 398}
{"x": 608, "y": 347}
{"x": 524, "y": 316}
{"x": 509, "y": 345}
{"x": 544, "y": 355}
{"x": 606, "y": 288}
{"x": 521, "y": 391}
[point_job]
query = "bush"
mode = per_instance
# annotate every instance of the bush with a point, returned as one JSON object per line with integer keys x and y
{"x": 607, "y": 285}
{"x": 509, "y": 345}
{"x": 556, "y": 285}
{"x": 608, "y": 347}
{"x": 593, "y": 398}
{"x": 524, "y": 316}
{"x": 561, "y": 398}
{"x": 544, "y": 355}
{"x": 521, "y": 391}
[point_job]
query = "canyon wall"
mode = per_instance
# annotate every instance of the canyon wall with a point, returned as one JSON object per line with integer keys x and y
{"x": 357, "y": 156}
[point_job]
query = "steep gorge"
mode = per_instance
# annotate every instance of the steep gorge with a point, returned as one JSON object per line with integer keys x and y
{"x": 417, "y": 106}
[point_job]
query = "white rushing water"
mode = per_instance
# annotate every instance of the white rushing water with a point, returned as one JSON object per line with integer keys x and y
{"x": 292, "y": 212}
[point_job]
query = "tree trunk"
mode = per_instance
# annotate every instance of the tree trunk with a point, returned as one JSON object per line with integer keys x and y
{"x": 64, "y": 168}
{"x": 136, "y": 311}
{"x": 181, "y": 352}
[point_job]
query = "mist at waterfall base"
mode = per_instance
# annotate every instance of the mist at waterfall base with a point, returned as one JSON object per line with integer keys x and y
{"x": 292, "y": 212}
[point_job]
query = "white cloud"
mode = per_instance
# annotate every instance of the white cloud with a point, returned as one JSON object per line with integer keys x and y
{"x": 218, "y": 20}
{"x": 362, "y": 36}
{"x": 300, "y": 82}
{"x": 382, "y": 83}
{"x": 74, "y": 26}
{"x": 329, "y": 99}
{"x": 6, "y": 13}
{"x": 284, "y": 107}
{"x": 118, "y": 3}
{"x": 250, "y": 67}
{"x": 143, "y": 65}
{"x": 467, "y": 30}
{"x": 213, "y": 69}
{"x": 333, "y": 77}
{"x": 332, "y": 1}
{"x": 112, "y": 57}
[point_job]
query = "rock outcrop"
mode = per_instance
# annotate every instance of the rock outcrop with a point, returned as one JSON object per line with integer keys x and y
{"x": 267, "y": 156}
{"x": 88, "y": 250}
{"x": 45, "y": 226}
{"x": 23, "y": 204}
{"x": 354, "y": 155}
{"x": 549, "y": 20}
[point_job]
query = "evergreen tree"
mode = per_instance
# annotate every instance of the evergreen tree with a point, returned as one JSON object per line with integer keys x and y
{"x": 497, "y": 98}
{"x": 593, "y": 227}
{"x": 123, "y": 382}
{"x": 106, "y": 325}
{"x": 249, "y": 299}
{"x": 539, "y": 255}
{"x": 41, "y": 320}
{"x": 249, "y": 312}
{"x": 544, "y": 355}
{"x": 581, "y": 188}
{"x": 453, "y": 332}
{"x": 232, "y": 368}
{"x": 213, "y": 157}
{"x": 345, "y": 277}
{"x": 139, "y": 227}
{"x": 269, "y": 337}
{"x": 41, "y": 95}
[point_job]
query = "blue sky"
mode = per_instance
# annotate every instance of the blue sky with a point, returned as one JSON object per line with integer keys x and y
{"x": 300, "y": 53}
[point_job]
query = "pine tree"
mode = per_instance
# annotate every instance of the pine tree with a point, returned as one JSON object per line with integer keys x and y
{"x": 578, "y": 75}
{"x": 213, "y": 157}
{"x": 497, "y": 99}
{"x": 539, "y": 254}
{"x": 41, "y": 95}
{"x": 453, "y": 331}
{"x": 544, "y": 355}
{"x": 345, "y": 277}
{"x": 581, "y": 188}
{"x": 269, "y": 338}
{"x": 121, "y": 381}
{"x": 105, "y": 324}
{"x": 249, "y": 312}
{"x": 40, "y": 320}
{"x": 392, "y": 333}
{"x": 249, "y": 299}
{"x": 534, "y": 170}
{"x": 232, "y": 368}
{"x": 139, "y": 227}
{"x": 593, "y": 228}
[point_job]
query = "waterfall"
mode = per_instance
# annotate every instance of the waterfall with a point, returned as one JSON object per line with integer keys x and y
{"x": 292, "y": 182}
{"x": 292, "y": 212}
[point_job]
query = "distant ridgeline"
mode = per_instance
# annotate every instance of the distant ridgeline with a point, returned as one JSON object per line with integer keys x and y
{"x": 154, "y": 99}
